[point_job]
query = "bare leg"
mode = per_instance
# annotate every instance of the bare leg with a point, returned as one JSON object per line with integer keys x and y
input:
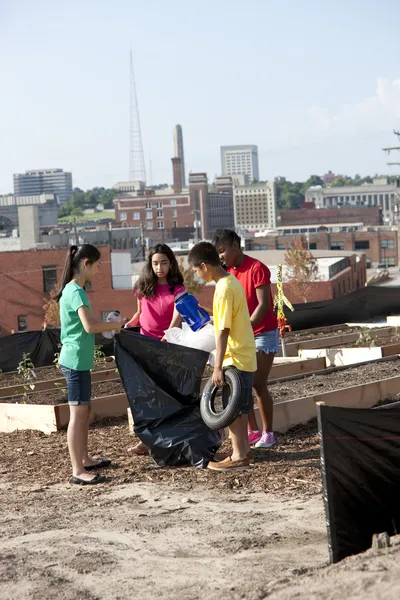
{"x": 77, "y": 436}
{"x": 238, "y": 431}
{"x": 264, "y": 398}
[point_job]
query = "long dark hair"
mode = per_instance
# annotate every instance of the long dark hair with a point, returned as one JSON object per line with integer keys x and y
{"x": 74, "y": 256}
{"x": 146, "y": 285}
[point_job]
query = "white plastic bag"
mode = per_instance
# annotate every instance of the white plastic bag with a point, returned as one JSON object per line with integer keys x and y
{"x": 203, "y": 339}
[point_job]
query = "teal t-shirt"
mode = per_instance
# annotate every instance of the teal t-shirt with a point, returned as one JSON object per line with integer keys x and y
{"x": 77, "y": 350}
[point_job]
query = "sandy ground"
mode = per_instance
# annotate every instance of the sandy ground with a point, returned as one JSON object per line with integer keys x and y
{"x": 144, "y": 540}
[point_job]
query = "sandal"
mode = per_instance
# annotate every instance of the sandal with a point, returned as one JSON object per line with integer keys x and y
{"x": 94, "y": 481}
{"x": 100, "y": 465}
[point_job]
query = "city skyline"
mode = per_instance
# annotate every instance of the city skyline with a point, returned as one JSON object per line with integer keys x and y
{"x": 309, "y": 106}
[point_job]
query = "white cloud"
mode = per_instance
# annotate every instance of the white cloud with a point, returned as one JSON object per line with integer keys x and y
{"x": 374, "y": 113}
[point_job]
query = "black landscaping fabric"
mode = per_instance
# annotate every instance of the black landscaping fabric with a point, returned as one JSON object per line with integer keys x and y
{"x": 162, "y": 382}
{"x": 360, "y": 456}
{"x": 42, "y": 347}
{"x": 367, "y": 303}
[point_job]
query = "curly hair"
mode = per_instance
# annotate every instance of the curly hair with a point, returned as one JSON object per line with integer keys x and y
{"x": 147, "y": 283}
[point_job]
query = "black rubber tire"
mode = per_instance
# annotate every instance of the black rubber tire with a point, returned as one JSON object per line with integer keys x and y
{"x": 230, "y": 413}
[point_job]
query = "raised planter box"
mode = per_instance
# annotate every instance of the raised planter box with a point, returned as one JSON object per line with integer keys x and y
{"x": 336, "y": 357}
{"x": 50, "y": 418}
{"x": 301, "y": 410}
{"x": 50, "y": 384}
{"x": 292, "y": 349}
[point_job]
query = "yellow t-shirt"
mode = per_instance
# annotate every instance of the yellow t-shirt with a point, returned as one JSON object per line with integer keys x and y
{"x": 231, "y": 312}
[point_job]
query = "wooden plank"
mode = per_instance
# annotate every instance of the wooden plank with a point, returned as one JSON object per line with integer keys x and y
{"x": 103, "y": 407}
{"x": 301, "y": 410}
{"x": 297, "y": 367}
{"x": 14, "y": 417}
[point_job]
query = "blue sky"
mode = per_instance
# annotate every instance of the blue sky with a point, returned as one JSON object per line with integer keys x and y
{"x": 315, "y": 85}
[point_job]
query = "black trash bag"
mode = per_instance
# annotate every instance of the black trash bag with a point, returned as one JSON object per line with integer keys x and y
{"x": 360, "y": 455}
{"x": 162, "y": 383}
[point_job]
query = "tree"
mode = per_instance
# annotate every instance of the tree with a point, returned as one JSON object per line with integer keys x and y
{"x": 52, "y": 312}
{"x": 302, "y": 268}
{"x": 192, "y": 285}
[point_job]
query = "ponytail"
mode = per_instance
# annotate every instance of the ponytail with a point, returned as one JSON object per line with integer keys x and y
{"x": 73, "y": 259}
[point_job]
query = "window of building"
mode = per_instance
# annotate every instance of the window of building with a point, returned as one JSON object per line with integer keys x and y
{"x": 387, "y": 244}
{"x": 312, "y": 246}
{"x": 172, "y": 202}
{"x": 159, "y": 204}
{"x": 148, "y": 204}
{"x": 149, "y": 224}
{"x": 136, "y": 216}
{"x": 280, "y": 246}
{"x": 104, "y": 315}
{"x": 122, "y": 216}
{"x": 174, "y": 223}
{"x": 160, "y": 214}
{"x": 390, "y": 261}
{"x": 160, "y": 225}
{"x": 174, "y": 213}
{"x": 361, "y": 245}
{"x": 87, "y": 287}
{"x": 149, "y": 214}
{"x": 49, "y": 278}
{"x": 337, "y": 245}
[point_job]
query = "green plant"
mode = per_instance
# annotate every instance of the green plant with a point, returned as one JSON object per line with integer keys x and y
{"x": 26, "y": 370}
{"x": 57, "y": 357}
{"x": 367, "y": 337}
{"x": 99, "y": 356}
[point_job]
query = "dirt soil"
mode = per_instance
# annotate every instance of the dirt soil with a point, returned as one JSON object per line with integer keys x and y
{"x": 152, "y": 532}
{"x": 47, "y": 373}
{"x": 375, "y": 574}
{"x": 316, "y": 384}
{"x": 59, "y": 395}
{"x": 320, "y": 332}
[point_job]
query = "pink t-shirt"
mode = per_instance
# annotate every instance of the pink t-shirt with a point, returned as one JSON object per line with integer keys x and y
{"x": 157, "y": 311}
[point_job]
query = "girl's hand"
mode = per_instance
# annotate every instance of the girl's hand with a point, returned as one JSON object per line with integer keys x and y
{"x": 218, "y": 377}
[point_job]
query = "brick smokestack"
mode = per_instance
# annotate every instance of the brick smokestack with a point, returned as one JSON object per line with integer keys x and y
{"x": 177, "y": 174}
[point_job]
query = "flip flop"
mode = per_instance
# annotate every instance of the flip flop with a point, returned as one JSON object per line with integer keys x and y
{"x": 94, "y": 481}
{"x": 100, "y": 465}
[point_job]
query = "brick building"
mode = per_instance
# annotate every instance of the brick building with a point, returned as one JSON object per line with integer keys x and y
{"x": 379, "y": 245}
{"x": 324, "y": 216}
{"x": 27, "y": 277}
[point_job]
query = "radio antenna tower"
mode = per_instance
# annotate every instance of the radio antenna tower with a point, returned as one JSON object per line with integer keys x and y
{"x": 137, "y": 170}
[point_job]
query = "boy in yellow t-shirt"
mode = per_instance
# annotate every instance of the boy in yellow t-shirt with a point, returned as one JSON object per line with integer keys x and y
{"x": 235, "y": 345}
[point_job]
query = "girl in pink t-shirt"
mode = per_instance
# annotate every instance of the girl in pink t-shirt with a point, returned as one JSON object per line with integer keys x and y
{"x": 160, "y": 282}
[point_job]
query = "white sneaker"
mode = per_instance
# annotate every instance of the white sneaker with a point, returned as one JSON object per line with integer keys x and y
{"x": 268, "y": 440}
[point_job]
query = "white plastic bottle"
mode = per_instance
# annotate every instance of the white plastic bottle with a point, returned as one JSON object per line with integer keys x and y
{"x": 113, "y": 316}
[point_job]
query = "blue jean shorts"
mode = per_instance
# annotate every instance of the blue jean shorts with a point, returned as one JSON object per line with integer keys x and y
{"x": 79, "y": 386}
{"x": 268, "y": 342}
{"x": 246, "y": 381}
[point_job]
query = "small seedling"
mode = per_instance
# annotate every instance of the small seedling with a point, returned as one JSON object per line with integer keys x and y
{"x": 26, "y": 370}
{"x": 57, "y": 357}
{"x": 367, "y": 338}
{"x": 99, "y": 356}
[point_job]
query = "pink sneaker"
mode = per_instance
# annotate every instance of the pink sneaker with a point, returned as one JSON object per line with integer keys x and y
{"x": 253, "y": 436}
{"x": 267, "y": 440}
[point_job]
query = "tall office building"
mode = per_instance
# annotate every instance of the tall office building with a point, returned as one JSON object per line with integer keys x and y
{"x": 255, "y": 206}
{"x": 240, "y": 160}
{"x": 178, "y": 151}
{"x": 45, "y": 181}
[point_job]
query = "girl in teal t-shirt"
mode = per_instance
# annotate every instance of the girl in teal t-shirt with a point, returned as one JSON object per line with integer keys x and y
{"x": 77, "y": 355}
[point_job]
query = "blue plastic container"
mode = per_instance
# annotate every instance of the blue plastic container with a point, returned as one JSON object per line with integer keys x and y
{"x": 190, "y": 311}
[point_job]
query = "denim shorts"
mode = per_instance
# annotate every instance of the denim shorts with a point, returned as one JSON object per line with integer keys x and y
{"x": 246, "y": 380}
{"x": 79, "y": 386}
{"x": 268, "y": 342}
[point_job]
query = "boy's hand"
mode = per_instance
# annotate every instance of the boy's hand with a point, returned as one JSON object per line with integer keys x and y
{"x": 218, "y": 377}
